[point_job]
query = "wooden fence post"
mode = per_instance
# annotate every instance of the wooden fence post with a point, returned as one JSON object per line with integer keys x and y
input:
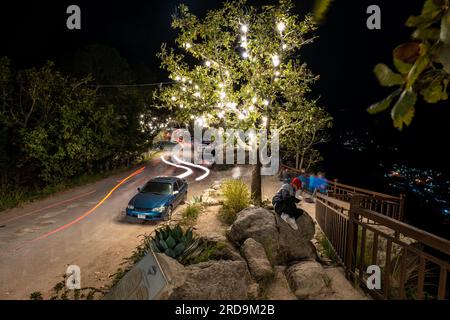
{"x": 401, "y": 209}
{"x": 352, "y": 236}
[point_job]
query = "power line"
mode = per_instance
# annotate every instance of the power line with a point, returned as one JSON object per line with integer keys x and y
{"x": 131, "y": 85}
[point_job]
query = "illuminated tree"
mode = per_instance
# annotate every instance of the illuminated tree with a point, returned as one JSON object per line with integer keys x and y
{"x": 236, "y": 67}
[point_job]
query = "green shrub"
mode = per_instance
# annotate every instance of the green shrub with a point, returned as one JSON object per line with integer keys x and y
{"x": 191, "y": 213}
{"x": 36, "y": 295}
{"x": 236, "y": 198}
{"x": 176, "y": 243}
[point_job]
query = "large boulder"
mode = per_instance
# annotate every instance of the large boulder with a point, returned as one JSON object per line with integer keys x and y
{"x": 217, "y": 280}
{"x": 296, "y": 244}
{"x": 281, "y": 242}
{"x": 308, "y": 280}
{"x": 224, "y": 250}
{"x": 257, "y": 261}
{"x": 257, "y": 223}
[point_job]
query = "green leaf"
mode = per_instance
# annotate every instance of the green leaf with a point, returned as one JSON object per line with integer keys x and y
{"x": 177, "y": 233}
{"x": 402, "y": 67}
{"x": 154, "y": 246}
{"x": 430, "y": 14}
{"x": 169, "y": 252}
{"x": 435, "y": 91}
{"x": 443, "y": 57}
{"x": 320, "y": 9}
{"x": 162, "y": 245}
{"x": 171, "y": 243}
{"x": 427, "y": 34}
{"x": 387, "y": 77}
{"x": 179, "y": 248}
{"x": 445, "y": 28}
{"x": 383, "y": 104}
{"x": 403, "y": 111}
{"x": 419, "y": 66}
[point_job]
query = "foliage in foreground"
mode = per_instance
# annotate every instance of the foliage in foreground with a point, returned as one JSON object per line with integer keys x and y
{"x": 422, "y": 65}
{"x": 236, "y": 198}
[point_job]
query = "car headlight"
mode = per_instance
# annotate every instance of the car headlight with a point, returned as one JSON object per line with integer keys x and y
{"x": 159, "y": 209}
{"x": 130, "y": 206}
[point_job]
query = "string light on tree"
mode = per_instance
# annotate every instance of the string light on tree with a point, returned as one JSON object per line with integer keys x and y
{"x": 281, "y": 26}
{"x": 275, "y": 60}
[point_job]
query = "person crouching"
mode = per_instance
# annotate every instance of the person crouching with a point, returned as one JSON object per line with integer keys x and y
{"x": 284, "y": 202}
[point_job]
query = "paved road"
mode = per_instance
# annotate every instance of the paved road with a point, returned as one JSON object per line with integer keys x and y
{"x": 84, "y": 226}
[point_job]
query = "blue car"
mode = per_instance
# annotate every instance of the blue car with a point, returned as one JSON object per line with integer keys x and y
{"x": 158, "y": 198}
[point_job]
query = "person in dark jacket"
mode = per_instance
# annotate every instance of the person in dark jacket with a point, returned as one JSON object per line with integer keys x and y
{"x": 285, "y": 202}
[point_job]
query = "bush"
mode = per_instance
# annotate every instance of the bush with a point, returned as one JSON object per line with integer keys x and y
{"x": 191, "y": 213}
{"x": 176, "y": 243}
{"x": 236, "y": 198}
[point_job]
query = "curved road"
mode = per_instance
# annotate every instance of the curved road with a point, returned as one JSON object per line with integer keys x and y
{"x": 84, "y": 226}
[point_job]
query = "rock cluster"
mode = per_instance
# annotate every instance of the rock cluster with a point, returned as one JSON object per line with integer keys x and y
{"x": 282, "y": 244}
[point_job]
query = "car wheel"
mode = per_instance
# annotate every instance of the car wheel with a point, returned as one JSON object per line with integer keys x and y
{"x": 168, "y": 214}
{"x": 184, "y": 198}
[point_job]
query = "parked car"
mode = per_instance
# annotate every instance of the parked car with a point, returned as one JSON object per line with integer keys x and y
{"x": 158, "y": 198}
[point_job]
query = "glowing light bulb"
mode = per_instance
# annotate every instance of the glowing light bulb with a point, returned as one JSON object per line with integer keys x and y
{"x": 266, "y": 102}
{"x": 183, "y": 79}
{"x": 197, "y": 94}
{"x": 244, "y": 28}
{"x": 245, "y": 54}
{"x": 173, "y": 98}
{"x": 196, "y": 87}
{"x": 281, "y": 26}
{"x": 177, "y": 78}
{"x": 275, "y": 60}
{"x": 187, "y": 45}
{"x": 284, "y": 46}
{"x": 277, "y": 73}
{"x": 208, "y": 63}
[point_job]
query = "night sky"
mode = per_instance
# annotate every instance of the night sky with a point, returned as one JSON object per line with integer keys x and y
{"x": 344, "y": 56}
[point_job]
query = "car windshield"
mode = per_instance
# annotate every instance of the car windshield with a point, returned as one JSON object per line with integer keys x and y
{"x": 157, "y": 187}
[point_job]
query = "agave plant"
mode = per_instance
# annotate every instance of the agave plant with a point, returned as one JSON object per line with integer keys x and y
{"x": 175, "y": 243}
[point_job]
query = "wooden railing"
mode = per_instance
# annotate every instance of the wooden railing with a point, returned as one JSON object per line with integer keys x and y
{"x": 414, "y": 264}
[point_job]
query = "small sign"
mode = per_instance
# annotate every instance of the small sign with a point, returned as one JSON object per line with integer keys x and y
{"x": 143, "y": 282}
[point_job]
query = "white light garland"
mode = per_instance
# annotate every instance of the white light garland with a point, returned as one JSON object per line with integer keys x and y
{"x": 275, "y": 60}
{"x": 281, "y": 26}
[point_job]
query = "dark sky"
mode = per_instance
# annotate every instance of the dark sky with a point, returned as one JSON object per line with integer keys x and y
{"x": 344, "y": 55}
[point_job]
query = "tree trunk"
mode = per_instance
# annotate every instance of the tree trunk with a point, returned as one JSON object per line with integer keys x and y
{"x": 300, "y": 167}
{"x": 297, "y": 161}
{"x": 256, "y": 182}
